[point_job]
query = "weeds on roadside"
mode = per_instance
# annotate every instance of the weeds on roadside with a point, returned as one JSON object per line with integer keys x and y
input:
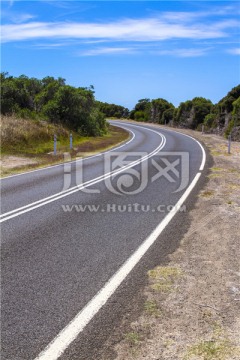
{"x": 151, "y": 308}
{"x": 133, "y": 338}
{"x": 163, "y": 277}
{"x": 218, "y": 347}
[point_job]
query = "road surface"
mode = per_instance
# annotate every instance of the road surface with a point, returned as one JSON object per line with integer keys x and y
{"x": 78, "y": 238}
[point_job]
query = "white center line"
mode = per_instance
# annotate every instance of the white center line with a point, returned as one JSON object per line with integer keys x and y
{"x": 62, "y": 341}
{"x": 29, "y": 207}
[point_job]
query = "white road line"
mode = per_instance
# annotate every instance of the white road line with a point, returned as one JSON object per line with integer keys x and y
{"x": 61, "y": 342}
{"x": 74, "y": 161}
{"x": 29, "y": 207}
{"x": 202, "y": 148}
{"x": 177, "y": 132}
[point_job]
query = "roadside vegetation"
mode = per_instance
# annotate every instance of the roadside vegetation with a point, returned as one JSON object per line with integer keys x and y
{"x": 52, "y": 100}
{"x": 113, "y": 111}
{"x": 33, "y": 138}
{"x": 28, "y": 144}
{"x": 222, "y": 118}
{"x": 33, "y": 111}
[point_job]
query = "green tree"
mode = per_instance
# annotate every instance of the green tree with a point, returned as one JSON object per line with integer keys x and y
{"x": 158, "y": 108}
{"x": 113, "y": 110}
{"x": 236, "y": 112}
{"x": 210, "y": 120}
{"x": 9, "y": 95}
{"x": 168, "y": 115}
{"x": 191, "y": 113}
{"x": 141, "y": 111}
{"x": 53, "y": 100}
{"x": 201, "y": 107}
{"x": 76, "y": 108}
{"x": 226, "y": 104}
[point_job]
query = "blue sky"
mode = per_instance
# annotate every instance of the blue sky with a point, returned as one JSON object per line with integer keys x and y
{"x": 128, "y": 50}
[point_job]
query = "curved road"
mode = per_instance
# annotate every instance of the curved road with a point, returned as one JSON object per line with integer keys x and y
{"x": 77, "y": 237}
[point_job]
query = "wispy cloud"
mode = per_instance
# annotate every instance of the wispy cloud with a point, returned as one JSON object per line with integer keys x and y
{"x": 184, "y": 52}
{"x": 108, "y": 51}
{"x": 16, "y": 17}
{"x": 150, "y": 29}
{"x": 163, "y": 33}
{"x": 187, "y": 16}
{"x": 48, "y": 46}
{"x": 235, "y": 51}
{"x": 22, "y": 18}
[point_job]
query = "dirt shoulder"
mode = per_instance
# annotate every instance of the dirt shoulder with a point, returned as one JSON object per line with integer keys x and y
{"x": 191, "y": 306}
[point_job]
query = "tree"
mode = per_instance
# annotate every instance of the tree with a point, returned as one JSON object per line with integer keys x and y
{"x": 236, "y": 112}
{"x": 53, "y": 100}
{"x": 225, "y": 109}
{"x": 191, "y": 113}
{"x": 141, "y": 111}
{"x": 168, "y": 115}
{"x": 113, "y": 110}
{"x": 226, "y": 104}
{"x": 210, "y": 120}
{"x": 9, "y": 95}
{"x": 76, "y": 108}
{"x": 158, "y": 108}
{"x": 202, "y": 107}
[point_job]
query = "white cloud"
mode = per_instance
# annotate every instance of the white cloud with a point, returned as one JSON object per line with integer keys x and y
{"x": 150, "y": 29}
{"x": 184, "y": 52}
{"x": 51, "y": 45}
{"x": 22, "y": 18}
{"x": 16, "y": 17}
{"x": 198, "y": 31}
{"x": 235, "y": 51}
{"x": 183, "y": 16}
{"x": 108, "y": 51}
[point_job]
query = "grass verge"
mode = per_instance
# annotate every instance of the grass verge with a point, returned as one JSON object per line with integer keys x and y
{"x": 162, "y": 278}
{"x": 218, "y": 347}
{"x": 28, "y": 145}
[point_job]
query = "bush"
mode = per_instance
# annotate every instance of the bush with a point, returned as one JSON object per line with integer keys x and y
{"x": 229, "y": 128}
{"x": 209, "y": 121}
{"x": 17, "y": 133}
{"x": 30, "y": 98}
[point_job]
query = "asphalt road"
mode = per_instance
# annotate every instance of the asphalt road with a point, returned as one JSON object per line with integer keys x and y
{"x": 68, "y": 229}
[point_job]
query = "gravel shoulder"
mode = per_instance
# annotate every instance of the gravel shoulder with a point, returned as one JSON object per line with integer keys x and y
{"x": 191, "y": 306}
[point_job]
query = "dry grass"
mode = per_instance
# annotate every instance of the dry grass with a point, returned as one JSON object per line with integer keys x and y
{"x": 206, "y": 193}
{"x": 217, "y": 347}
{"x": 28, "y": 136}
{"x": 33, "y": 141}
{"x": 133, "y": 338}
{"x": 151, "y": 308}
{"x": 162, "y": 278}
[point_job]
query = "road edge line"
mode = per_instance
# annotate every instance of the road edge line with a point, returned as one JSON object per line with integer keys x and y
{"x": 66, "y": 336}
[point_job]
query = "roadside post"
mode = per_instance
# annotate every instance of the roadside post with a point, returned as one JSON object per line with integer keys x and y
{"x": 71, "y": 145}
{"x": 229, "y": 144}
{"x": 202, "y": 129}
{"x": 55, "y": 145}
